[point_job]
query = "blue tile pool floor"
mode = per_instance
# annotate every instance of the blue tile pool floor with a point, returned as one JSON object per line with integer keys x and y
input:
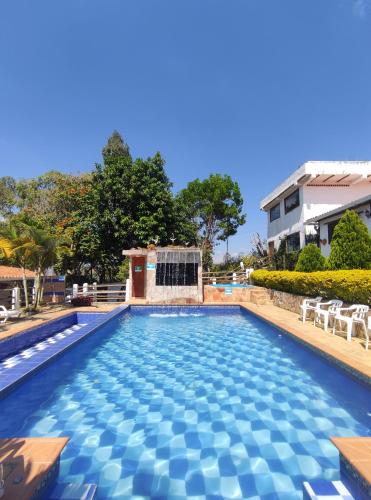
{"x": 199, "y": 406}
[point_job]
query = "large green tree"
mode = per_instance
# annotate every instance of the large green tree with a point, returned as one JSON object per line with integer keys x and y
{"x": 51, "y": 198}
{"x": 214, "y": 205}
{"x": 7, "y": 195}
{"x": 116, "y": 147}
{"x": 350, "y": 244}
{"x": 129, "y": 203}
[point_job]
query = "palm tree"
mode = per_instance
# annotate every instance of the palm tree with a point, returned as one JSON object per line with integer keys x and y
{"x": 46, "y": 249}
{"x": 16, "y": 244}
{"x": 31, "y": 247}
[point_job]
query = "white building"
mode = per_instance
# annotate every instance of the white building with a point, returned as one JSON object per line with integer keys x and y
{"x": 326, "y": 222}
{"x": 315, "y": 188}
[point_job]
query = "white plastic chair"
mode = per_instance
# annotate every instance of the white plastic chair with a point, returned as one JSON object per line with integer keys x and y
{"x": 358, "y": 316}
{"x": 326, "y": 314}
{"x": 309, "y": 305}
{"x": 5, "y": 314}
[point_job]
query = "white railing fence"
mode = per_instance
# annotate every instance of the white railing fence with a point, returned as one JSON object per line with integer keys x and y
{"x": 107, "y": 292}
{"x": 230, "y": 277}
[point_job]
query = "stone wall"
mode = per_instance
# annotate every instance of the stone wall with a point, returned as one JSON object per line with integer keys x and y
{"x": 287, "y": 300}
{"x": 218, "y": 294}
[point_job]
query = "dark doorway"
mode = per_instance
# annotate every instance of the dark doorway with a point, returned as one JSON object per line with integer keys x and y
{"x": 137, "y": 272}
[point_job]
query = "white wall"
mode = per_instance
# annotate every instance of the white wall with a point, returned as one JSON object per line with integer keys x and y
{"x": 314, "y": 200}
{"x": 287, "y": 223}
{"x": 323, "y": 227}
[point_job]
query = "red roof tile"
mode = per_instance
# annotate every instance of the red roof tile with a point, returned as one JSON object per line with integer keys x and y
{"x": 14, "y": 273}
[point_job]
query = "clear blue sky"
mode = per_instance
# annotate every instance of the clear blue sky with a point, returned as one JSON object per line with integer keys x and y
{"x": 252, "y": 88}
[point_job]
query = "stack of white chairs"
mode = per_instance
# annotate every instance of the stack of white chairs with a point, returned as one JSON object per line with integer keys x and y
{"x": 358, "y": 316}
{"x": 332, "y": 311}
{"x": 326, "y": 311}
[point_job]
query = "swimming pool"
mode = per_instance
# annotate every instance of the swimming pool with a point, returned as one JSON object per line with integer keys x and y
{"x": 181, "y": 402}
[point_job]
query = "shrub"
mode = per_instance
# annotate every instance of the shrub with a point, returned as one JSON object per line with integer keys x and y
{"x": 310, "y": 259}
{"x": 284, "y": 259}
{"x": 82, "y": 301}
{"x": 350, "y": 244}
{"x": 353, "y": 286}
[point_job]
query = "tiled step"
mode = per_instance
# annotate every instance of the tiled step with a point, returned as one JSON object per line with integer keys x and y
{"x": 326, "y": 490}
{"x": 73, "y": 491}
{"x": 40, "y": 346}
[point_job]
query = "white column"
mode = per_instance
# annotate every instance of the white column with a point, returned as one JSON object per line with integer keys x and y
{"x": 85, "y": 289}
{"x": 75, "y": 290}
{"x": 234, "y": 276}
{"x": 128, "y": 290}
{"x": 16, "y": 298}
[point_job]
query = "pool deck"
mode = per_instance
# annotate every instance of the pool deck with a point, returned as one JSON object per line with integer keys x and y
{"x": 356, "y": 452}
{"x": 29, "y": 463}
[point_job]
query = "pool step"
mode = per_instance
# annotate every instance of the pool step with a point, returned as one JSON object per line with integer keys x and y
{"x": 43, "y": 345}
{"x": 72, "y": 491}
{"x": 322, "y": 490}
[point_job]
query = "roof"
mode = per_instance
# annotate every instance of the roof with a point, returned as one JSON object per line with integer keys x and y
{"x": 340, "y": 210}
{"x": 320, "y": 173}
{"x": 14, "y": 273}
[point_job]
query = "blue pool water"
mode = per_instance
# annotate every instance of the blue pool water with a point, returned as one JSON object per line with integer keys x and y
{"x": 191, "y": 404}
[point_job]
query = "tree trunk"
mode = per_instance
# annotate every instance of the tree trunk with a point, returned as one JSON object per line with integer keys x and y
{"x": 37, "y": 287}
{"x": 42, "y": 288}
{"x": 24, "y": 280}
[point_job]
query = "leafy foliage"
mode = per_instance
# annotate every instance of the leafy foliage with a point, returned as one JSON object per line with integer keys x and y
{"x": 284, "y": 259}
{"x": 350, "y": 244}
{"x": 129, "y": 203}
{"x": 310, "y": 259}
{"x": 214, "y": 206}
{"x": 51, "y": 199}
{"x": 115, "y": 148}
{"x": 353, "y": 286}
{"x": 123, "y": 203}
{"x": 7, "y": 195}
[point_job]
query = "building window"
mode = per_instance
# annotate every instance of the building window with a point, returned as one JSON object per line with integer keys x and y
{"x": 293, "y": 242}
{"x": 292, "y": 201}
{"x": 275, "y": 212}
{"x": 176, "y": 274}
{"x": 330, "y": 229}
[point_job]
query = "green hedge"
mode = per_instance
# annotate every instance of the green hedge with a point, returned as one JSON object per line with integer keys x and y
{"x": 353, "y": 286}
